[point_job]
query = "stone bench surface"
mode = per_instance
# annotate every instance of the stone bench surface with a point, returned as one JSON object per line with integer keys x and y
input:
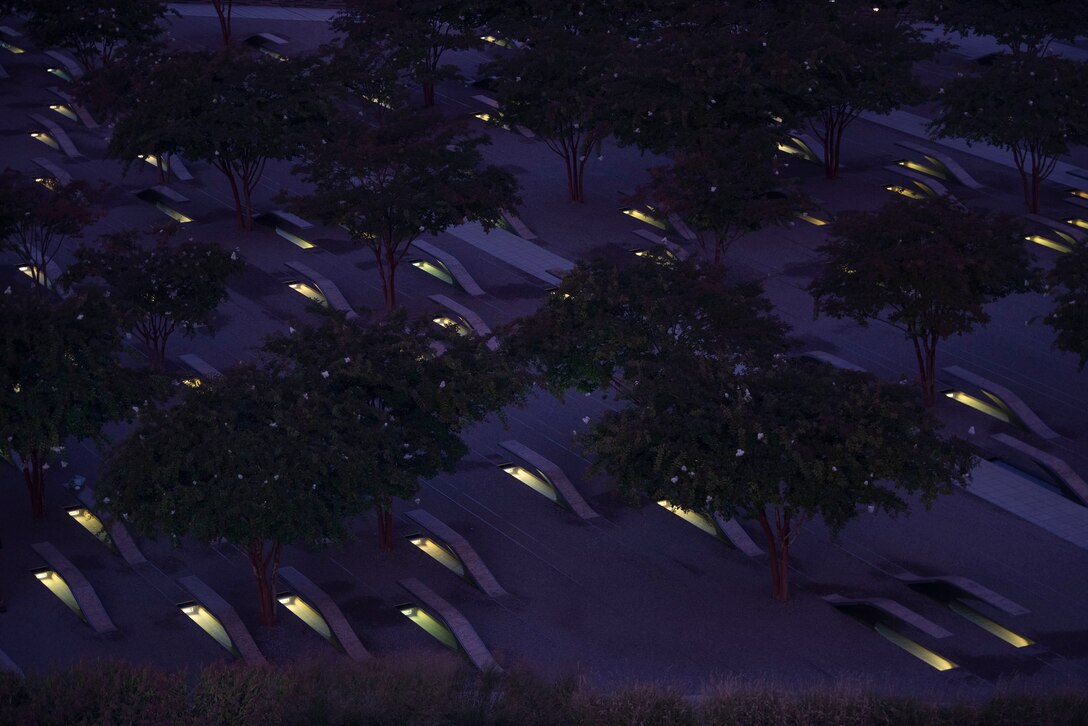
{"x": 559, "y": 480}
{"x": 974, "y": 589}
{"x": 85, "y": 596}
{"x": 292, "y": 219}
{"x": 70, "y": 64}
{"x": 471, "y": 317}
{"x": 227, "y": 617}
{"x": 953, "y": 166}
{"x": 1059, "y": 225}
{"x": 932, "y": 182}
{"x": 1058, "y": 466}
{"x": 520, "y": 227}
{"x": 199, "y": 365}
{"x": 833, "y": 360}
{"x": 82, "y": 113}
{"x": 737, "y": 535}
{"x": 329, "y": 610}
{"x": 332, "y": 293}
{"x": 474, "y": 565}
{"x": 462, "y": 630}
{"x": 459, "y": 272}
{"x": 59, "y": 135}
{"x": 895, "y": 609}
{"x": 1014, "y": 402}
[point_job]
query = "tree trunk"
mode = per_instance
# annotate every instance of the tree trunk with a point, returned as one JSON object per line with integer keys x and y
{"x": 238, "y": 207}
{"x": 385, "y": 526}
{"x": 34, "y": 476}
{"x": 925, "y": 351}
{"x": 778, "y": 549}
{"x": 265, "y": 568}
{"x": 428, "y": 94}
{"x": 223, "y": 10}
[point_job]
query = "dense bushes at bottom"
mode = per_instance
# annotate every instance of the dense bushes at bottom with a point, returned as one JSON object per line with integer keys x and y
{"x": 444, "y": 690}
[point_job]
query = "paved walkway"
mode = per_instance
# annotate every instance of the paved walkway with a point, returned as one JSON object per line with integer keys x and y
{"x": 1050, "y": 511}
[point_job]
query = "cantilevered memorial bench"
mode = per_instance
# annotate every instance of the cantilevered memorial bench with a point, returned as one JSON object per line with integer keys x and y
{"x": 328, "y": 288}
{"x": 896, "y": 610}
{"x": 86, "y": 598}
{"x": 969, "y": 588}
{"x": 943, "y": 164}
{"x": 81, "y": 113}
{"x": 59, "y": 135}
{"x": 236, "y": 630}
{"x": 566, "y": 490}
{"x": 1057, "y": 467}
{"x": 732, "y": 530}
{"x": 460, "y": 275}
{"x": 55, "y": 172}
{"x": 1012, "y": 402}
{"x": 328, "y": 609}
{"x": 475, "y": 569}
{"x": 833, "y": 360}
{"x": 1068, "y": 230}
{"x": 71, "y": 65}
{"x": 472, "y": 318}
{"x": 519, "y": 227}
{"x": 119, "y": 534}
{"x": 458, "y": 624}
{"x": 199, "y": 365}
{"x": 674, "y": 249}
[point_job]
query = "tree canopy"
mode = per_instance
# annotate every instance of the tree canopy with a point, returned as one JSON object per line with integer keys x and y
{"x": 60, "y": 378}
{"x": 159, "y": 289}
{"x": 927, "y": 267}
{"x": 1026, "y": 27}
{"x": 1069, "y": 318}
{"x": 94, "y": 30}
{"x": 387, "y": 185}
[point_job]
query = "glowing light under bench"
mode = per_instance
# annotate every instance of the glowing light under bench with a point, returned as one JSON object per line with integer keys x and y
{"x": 307, "y": 614}
{"x": 431, "y": 624}
{"x": 436, "y": 551}
{"x": 209, "y": 624}
{"x": 56, "y": 584}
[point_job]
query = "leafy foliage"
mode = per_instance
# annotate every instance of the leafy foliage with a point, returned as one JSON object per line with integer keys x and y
{"x": 1070, "y": 315}
{"x": 36, "y": 219}
{"x": 928, "y": 267}
{"x": 416, "y": 173}
{"x": 59, "y": 378}
{"x": 1026, "y": 27}
{"x": 94, "y": 30}
{"x": 160, "y": 289}
{"x": 783, "y": 445}
{"x": 1035, "y": 108}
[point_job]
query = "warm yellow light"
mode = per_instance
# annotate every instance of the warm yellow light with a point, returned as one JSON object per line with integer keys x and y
{"x": 1077, "y": 222}
{"x": 192, "y": 382}
{"x": 432, "y": 625}
{"x": 438, "y": 271}
{"x": 1079, "y": 193}
{"x": 45, "y": 139}
{"x": 294, "y": 238}
{"x": 84, "y": 518}
{"x": 539, "y": 483}
{"x": 643, "y": 217}
{"x": 1013, "y": 639}
{"x": 924, "y": 169}
{"x": 917, "y": 650}
{"x": 904, "y": 191}
{"x": 497, "y": 41}
{"x": 209, "y": 624}
{"x": 699, "y": 520}
{"x": 1045, "y": 242}
{"x": 309, "y": 291}
{"x": 48, "y": 182}
{"x": 441, "y": 554}
{"x": 11, "y": 48}
{"x": 641, "y": 253}
{"x": 307, "y": 614}
{"x": 173, "y": 213}
{"x": 483, "y": 116}
{"x": 60, "y": 73}
{"x": 979, "y": 405}
{"x": 64, "y": 111}
{"x": 450, "y": 323}
{"x": 812, "y": 220}
{"x": 56, "y": 584}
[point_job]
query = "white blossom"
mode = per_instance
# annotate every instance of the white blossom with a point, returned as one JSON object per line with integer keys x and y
{"x": 740, "y": 453}
{"x": 324, "y": 374}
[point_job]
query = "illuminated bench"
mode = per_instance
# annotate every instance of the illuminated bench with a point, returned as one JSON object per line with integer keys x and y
{"x": 80, "y": 112}
{"x": 926, "y": 183}
{"x": 338, "y": 625}
{"x": 328, "y": 288}
{"x": 1007, "y": 399}
{"x": 1057, "y": 467}
{"x": 969, "y": 588}
{"x": 71, "y": 65}
{"x": 466, "y": 636}
{"x": 1067, "y": 230}
{"x": 943, "y": 163}
{"x": 209, "y": 600}
{"x": 896, "y": 610}
{"x": 64, "y": 580}
{"x": 59, "y": 135}
{"x": 118, "y": 534}
{"x": 677, "y": 251}
{"x": 55, "y": 172}
{"x": 478, "y": 325}
{"x": 474, "y": 567}
{"x": 198, "y": 364}
{"x": 460, "y": 275}
{"x": 568, "y": 494}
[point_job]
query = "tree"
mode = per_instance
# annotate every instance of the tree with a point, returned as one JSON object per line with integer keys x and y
{"x": 232, "y": 109}
{"x": 783, "y": 445}
{"x": 843, "y": 59}
{"x": 59, "y": 378}
{"x": 36, "y": 219}
{"x": 224, "y": 11}
{"x": 414, "y": 34}
{"x": 160, "y": 289}
{"x": 726, "y": 186}
{"x": 1070, "y": 315}
{"x": 604, "y": 322}
{"x": 387, "y": 185}
{"x": 1026, "y": 27}
{"x": 94, "y": 30}
{"x": 557, "y": 87}
{"x": 927, "y": 267}
{"x": 395, "y": 404}
{"x": 1036, "y": 108}
{"x": 249, "y": 457}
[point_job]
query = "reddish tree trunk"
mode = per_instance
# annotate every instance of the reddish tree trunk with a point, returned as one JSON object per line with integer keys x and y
{"x": 778, "y": 551}
{"x": 428, "y": 94}
{"x": 265, "y": 568}
{"x": 238, "y": 214}
{"x": 34, "y": 476}
{"x": 925, "y": 352}
{"x": 223, "y": 10}
{"x": 385, "y": 526}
